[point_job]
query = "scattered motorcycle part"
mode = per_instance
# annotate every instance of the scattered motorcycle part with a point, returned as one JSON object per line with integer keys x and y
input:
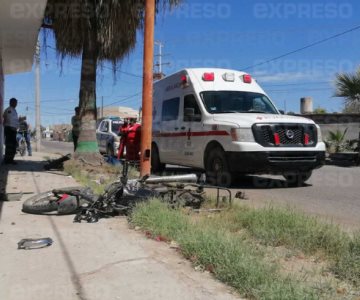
{"x": 29, "y": 244}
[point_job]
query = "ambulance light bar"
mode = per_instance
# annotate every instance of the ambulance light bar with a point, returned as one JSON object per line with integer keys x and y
{"x": 208, "y": 76}
{"x": 229, "y": 77}
{"x": 247, "y": 78}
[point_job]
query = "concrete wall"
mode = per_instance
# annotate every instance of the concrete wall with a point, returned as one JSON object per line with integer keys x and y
{"x": 334, "y": 122}
{"x": 1, "y": 109}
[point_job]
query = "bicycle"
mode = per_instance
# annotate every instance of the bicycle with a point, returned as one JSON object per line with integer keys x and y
{"x": 119, "y": 197}
{"x": 21, "y": 146}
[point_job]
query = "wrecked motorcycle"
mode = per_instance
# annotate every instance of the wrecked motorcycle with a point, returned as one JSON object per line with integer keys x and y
{"x": 119, "y": 197}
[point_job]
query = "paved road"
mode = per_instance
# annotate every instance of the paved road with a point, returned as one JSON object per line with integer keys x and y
{"x": 56, "y": 147}
{"x": 332, "y": 192}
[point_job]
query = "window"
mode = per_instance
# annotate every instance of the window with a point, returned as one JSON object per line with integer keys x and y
{"x": 170, "y": 109}
{"x": 115, "y": 126}
{"x": 219, "y": 102}
{"x": 104, "y": 126}
{"x": 191, "y": 105}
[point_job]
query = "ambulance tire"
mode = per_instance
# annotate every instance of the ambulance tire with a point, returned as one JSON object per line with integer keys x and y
{"x": 156, "y": 165}
{"x": 217, "y": 169}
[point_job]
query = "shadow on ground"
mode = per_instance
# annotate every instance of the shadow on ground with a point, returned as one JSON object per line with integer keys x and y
{"x": 21, "y": 166}
{"x": 241, "y": 181}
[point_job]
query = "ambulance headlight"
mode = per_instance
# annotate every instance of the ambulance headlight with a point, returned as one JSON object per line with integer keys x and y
{"x": 242, "y": 135}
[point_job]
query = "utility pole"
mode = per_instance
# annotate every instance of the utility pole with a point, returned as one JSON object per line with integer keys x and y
{"x": 159, "y": 64}
{"x": 146, "y": 128}
{"x": 37, "y": 96}
{"x": 158, "y": 73}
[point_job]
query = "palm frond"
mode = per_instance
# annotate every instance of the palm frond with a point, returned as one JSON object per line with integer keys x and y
{"x": 348, "y": 86}
{"x": 116, "y": 24}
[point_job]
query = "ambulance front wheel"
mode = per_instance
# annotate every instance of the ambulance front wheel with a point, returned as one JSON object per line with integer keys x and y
{"x": 217, "y": 169}
{"x": 156, "y": 165}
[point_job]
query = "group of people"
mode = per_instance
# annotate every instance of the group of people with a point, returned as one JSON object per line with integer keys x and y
{"x": 14, "y": 129}
{"x": 130, "y": 133}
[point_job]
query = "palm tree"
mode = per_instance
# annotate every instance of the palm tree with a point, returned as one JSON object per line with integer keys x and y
{"x": 98, "y": 31}
{"x": 348, "y": 86}
{"x": 336, "y": 139}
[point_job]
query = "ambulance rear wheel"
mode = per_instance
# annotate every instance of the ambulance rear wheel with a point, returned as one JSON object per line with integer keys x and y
{"x": 156, "y": 165}
{"x": 217, "y": 169}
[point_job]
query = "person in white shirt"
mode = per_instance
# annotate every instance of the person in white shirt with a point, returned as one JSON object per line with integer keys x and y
{"x": 11, "y": 124}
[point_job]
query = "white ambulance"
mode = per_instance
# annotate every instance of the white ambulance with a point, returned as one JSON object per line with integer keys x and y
{"x": 221, "y": 121}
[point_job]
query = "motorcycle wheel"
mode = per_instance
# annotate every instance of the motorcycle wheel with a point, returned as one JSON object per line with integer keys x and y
{"x": 22, "y": 147}
{"x": 41, "y": 203}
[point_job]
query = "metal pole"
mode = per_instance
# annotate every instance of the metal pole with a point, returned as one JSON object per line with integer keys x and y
{"x": 159, "y": 64}
{"x": 146, "y": 128}
{"x": 37, "y": 96}
{"x": 160, "y": 58}
{"x": 102, "y": 106}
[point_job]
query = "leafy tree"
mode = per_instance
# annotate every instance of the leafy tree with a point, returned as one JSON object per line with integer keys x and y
{"x": 320, "y": 110}
{"x": 348, "y": 87}
{"x": 98, "y": 31}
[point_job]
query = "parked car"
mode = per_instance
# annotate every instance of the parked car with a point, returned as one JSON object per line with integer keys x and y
{"x": 107, "y": 135}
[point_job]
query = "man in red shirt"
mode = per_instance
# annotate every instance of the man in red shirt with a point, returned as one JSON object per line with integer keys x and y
{"x": 133, "y": 141}
{"x": 123, "y": 133}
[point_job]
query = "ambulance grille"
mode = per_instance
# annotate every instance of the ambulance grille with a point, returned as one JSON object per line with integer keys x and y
{"x": 290, "y": 135}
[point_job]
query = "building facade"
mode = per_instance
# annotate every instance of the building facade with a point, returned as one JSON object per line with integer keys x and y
{"x": 20, "y": 22}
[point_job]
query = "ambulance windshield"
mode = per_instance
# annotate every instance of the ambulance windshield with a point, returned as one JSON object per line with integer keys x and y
{"x": 220, "y": 102}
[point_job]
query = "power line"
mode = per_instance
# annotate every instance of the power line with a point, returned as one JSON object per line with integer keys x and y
{"x": 294, "y": 84}
{"x": 300, "y": 89}
{"x": 123, "y": 72}
{"x": 303, "y": 48}
{"x": 123, "y": 100}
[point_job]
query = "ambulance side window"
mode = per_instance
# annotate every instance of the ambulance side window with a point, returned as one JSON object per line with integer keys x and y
{"x": 170, "y": 109}
{"x": 190, "y": 104}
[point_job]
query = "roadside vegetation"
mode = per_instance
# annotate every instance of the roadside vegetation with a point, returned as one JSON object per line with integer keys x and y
{"x": 269, "y": 253}
{"x": 96, "y": 177}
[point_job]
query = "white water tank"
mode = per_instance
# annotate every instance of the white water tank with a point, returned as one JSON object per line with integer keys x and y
{"x": 306, "y": 105}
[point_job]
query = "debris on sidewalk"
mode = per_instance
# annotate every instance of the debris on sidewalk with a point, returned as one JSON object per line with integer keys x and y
{"x": 57, "y": 163}
{"x": 28, "y": 244}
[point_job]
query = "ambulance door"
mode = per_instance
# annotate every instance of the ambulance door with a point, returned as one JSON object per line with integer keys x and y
{"x": 170, "y": 136}
{"x": 193, "y": 141}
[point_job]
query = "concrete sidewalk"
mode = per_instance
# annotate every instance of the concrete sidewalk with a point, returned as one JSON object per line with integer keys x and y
{"x": 104, "y": 260}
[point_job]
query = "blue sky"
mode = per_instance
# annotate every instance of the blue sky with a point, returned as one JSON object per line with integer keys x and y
{"x": 234, "y": 34}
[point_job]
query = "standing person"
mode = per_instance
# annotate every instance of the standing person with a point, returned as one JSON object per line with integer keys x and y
{"x": 11, "y": 124}
{"x": 76, "y": 122}
{"x": 123, "y": 134}
{"x": 24, "y": 129}
{"x": 133, "y": 141}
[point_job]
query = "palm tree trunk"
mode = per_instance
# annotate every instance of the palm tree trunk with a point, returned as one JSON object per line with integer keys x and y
{"x": 87, "y": 148}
